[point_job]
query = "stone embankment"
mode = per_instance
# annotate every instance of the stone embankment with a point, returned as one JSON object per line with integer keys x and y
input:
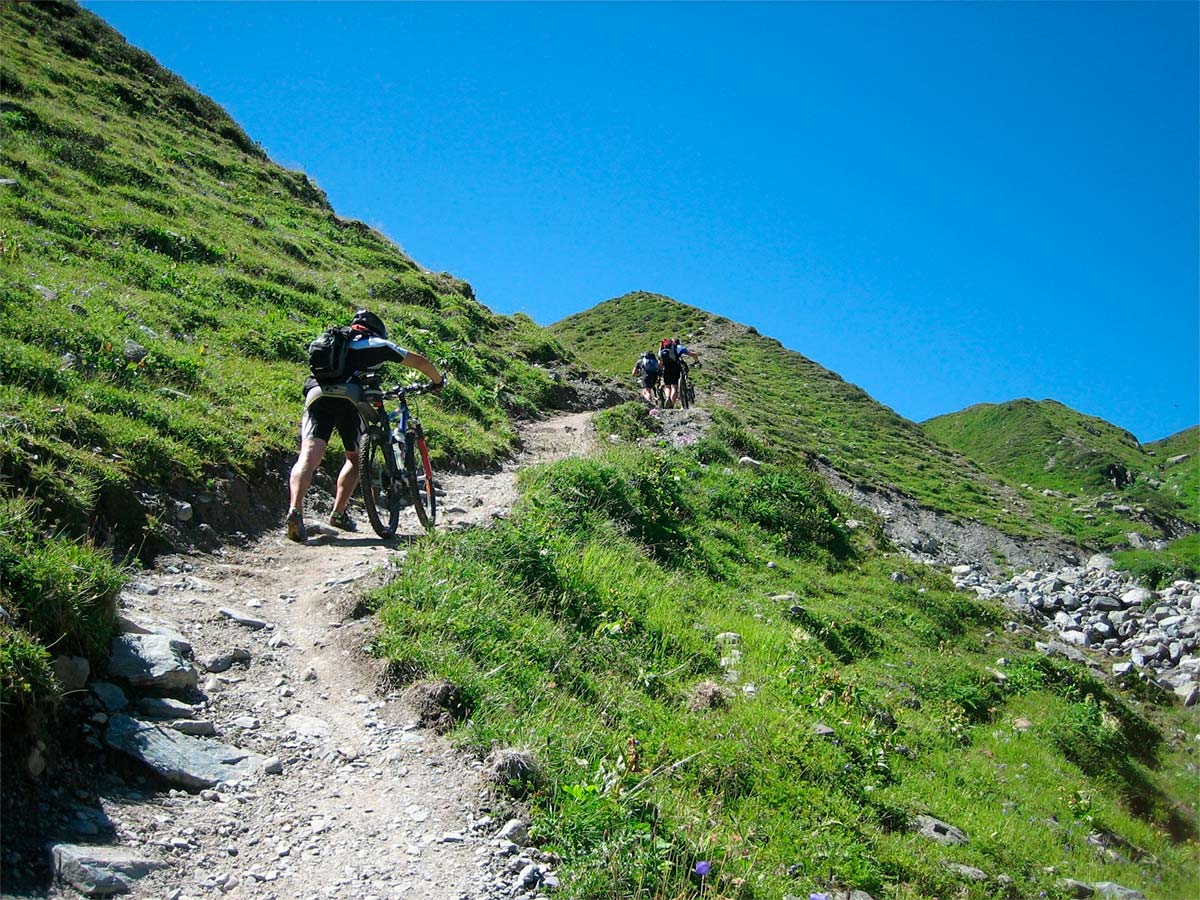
{"x": 1154, "y": 633}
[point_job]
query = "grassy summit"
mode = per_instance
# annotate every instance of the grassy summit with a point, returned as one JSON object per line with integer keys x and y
{"x": 160, "y": 278}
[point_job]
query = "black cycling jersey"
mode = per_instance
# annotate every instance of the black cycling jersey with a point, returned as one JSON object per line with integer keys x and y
{"x": 366, "y": 354}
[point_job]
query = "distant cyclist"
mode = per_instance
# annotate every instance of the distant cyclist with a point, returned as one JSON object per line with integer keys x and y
{"x": 682, "y": 351}
{"x": 327, "y": 406}
{"x": 646, "y": 369}
{"x": 668, "y": 361}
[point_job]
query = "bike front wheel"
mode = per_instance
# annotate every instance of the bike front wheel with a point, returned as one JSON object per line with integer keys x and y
{"x": 420, "y": 477}
{"x": 383, "y": 488}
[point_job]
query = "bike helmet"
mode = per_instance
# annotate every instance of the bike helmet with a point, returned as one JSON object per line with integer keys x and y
{"x": 371, "y": 322}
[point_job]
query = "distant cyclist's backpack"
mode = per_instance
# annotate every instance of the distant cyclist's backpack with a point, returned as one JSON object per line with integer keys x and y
{"x": 328, "y": 355}
{"x": 649, "y": 364}
{"x": 666, "y": 352}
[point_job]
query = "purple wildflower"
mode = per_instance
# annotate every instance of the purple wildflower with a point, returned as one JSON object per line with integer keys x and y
{"x": 703, "y": 868}
{"x": 817, "y": 896}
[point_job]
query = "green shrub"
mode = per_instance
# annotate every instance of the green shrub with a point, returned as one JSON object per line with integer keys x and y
{"x": 640, "y": 491}
{"x": 787, "y": 502}
{"x": 26, "y": 678}
{"x": 59, "y": 591}
{"x": 630, "y": 421}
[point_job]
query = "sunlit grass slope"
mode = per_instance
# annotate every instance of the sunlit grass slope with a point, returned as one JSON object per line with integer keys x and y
{"x": 800, "y": 410}
{"x": 1046, "y": 446}
{"x": 159, "y": 281}
{"x": 707, "y": 668}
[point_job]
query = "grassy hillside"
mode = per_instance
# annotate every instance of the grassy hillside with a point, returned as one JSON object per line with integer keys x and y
{"x": 1046, "y": 446}
{"x": 798, "y": 409}
{"x": 1180, "y": 477}
{"x": 159, "y": 281}
{"x": 724, "y": 694}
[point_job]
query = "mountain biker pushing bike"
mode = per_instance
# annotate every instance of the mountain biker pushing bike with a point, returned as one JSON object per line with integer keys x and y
{"x": 647, "y": 371}
{"x": 327, "y": 406}
{"x": 670, "y": 361}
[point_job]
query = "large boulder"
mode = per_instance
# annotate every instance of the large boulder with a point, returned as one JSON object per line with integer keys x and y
{"x": 193, "y": 762}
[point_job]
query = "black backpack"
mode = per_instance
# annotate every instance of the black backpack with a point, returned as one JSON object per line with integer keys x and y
{"x": 328, "y": 355}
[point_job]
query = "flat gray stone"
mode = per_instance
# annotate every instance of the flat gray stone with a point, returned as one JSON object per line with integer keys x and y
{"x": 111, "y": 697}
{"x": 99, "y": 871}
{"x": 193, "y": 762}
{"x": 165, "y": 708}
{"x": 968, "y": 872}
{"x": 150, "y": 661}
{"x": 937, "y": 830}
{"x": 133, "y": 626}
{"x": 220, "y": 662}
{"x": 1110, "y": 890}
{"x": 242, "y": 618}
{"x": 72, "y": 672}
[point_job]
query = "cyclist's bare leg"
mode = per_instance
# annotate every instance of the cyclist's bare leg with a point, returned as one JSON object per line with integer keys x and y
{"x": 670, "y": 390}
{"x": 312, "y": 451}
{"x": 347, "y": 482}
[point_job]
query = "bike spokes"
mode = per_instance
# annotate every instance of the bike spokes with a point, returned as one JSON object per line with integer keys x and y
{"x": 382, "y": 485}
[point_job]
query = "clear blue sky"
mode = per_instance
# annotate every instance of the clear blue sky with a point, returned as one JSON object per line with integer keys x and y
{"x": 945, "y": 203}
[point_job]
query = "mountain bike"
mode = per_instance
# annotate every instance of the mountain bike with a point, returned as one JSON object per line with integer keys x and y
{"x": 685, "y": 391}
{"x": 395, "y": 460}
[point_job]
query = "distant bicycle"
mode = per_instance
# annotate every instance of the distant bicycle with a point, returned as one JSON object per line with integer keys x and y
{"x": 395, "y": 460}
{"x": 687, "y": 393}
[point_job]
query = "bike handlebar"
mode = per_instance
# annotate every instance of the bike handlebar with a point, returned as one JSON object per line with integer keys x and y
{"x": 404, "y": 390}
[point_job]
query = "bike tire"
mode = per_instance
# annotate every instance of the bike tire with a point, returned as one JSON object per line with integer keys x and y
{"x": 685, "y": 387}
{"x": 381, "y": 487}
{"x": 420, "y": 476}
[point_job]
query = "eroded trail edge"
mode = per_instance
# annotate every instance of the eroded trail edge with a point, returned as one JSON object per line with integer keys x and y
{"x": 344, "y": 796}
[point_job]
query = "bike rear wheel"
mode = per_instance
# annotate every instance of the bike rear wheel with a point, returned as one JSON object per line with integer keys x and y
{"x": 383, "y": 488}
{"x": 420, "y": 476}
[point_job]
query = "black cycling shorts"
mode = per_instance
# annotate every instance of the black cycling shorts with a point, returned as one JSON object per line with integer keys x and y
{"x": 670, "y": 375}
{"x": 326, "y": 413}
{"x": 649, "y": 380}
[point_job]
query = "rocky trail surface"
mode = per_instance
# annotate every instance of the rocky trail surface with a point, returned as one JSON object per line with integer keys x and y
{"x": 244, "y": 744}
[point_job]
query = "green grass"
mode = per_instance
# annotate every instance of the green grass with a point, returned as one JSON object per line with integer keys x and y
{"x": 1091, "y": 465}
{"x": 60, "y": 597}
{"x": 1157, "y": 568}
{"x": 160, "y": 279}
{"x": 582, "y": 628}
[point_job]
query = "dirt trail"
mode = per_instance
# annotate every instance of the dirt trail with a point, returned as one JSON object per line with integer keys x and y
{"x": 367, "y": 804}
